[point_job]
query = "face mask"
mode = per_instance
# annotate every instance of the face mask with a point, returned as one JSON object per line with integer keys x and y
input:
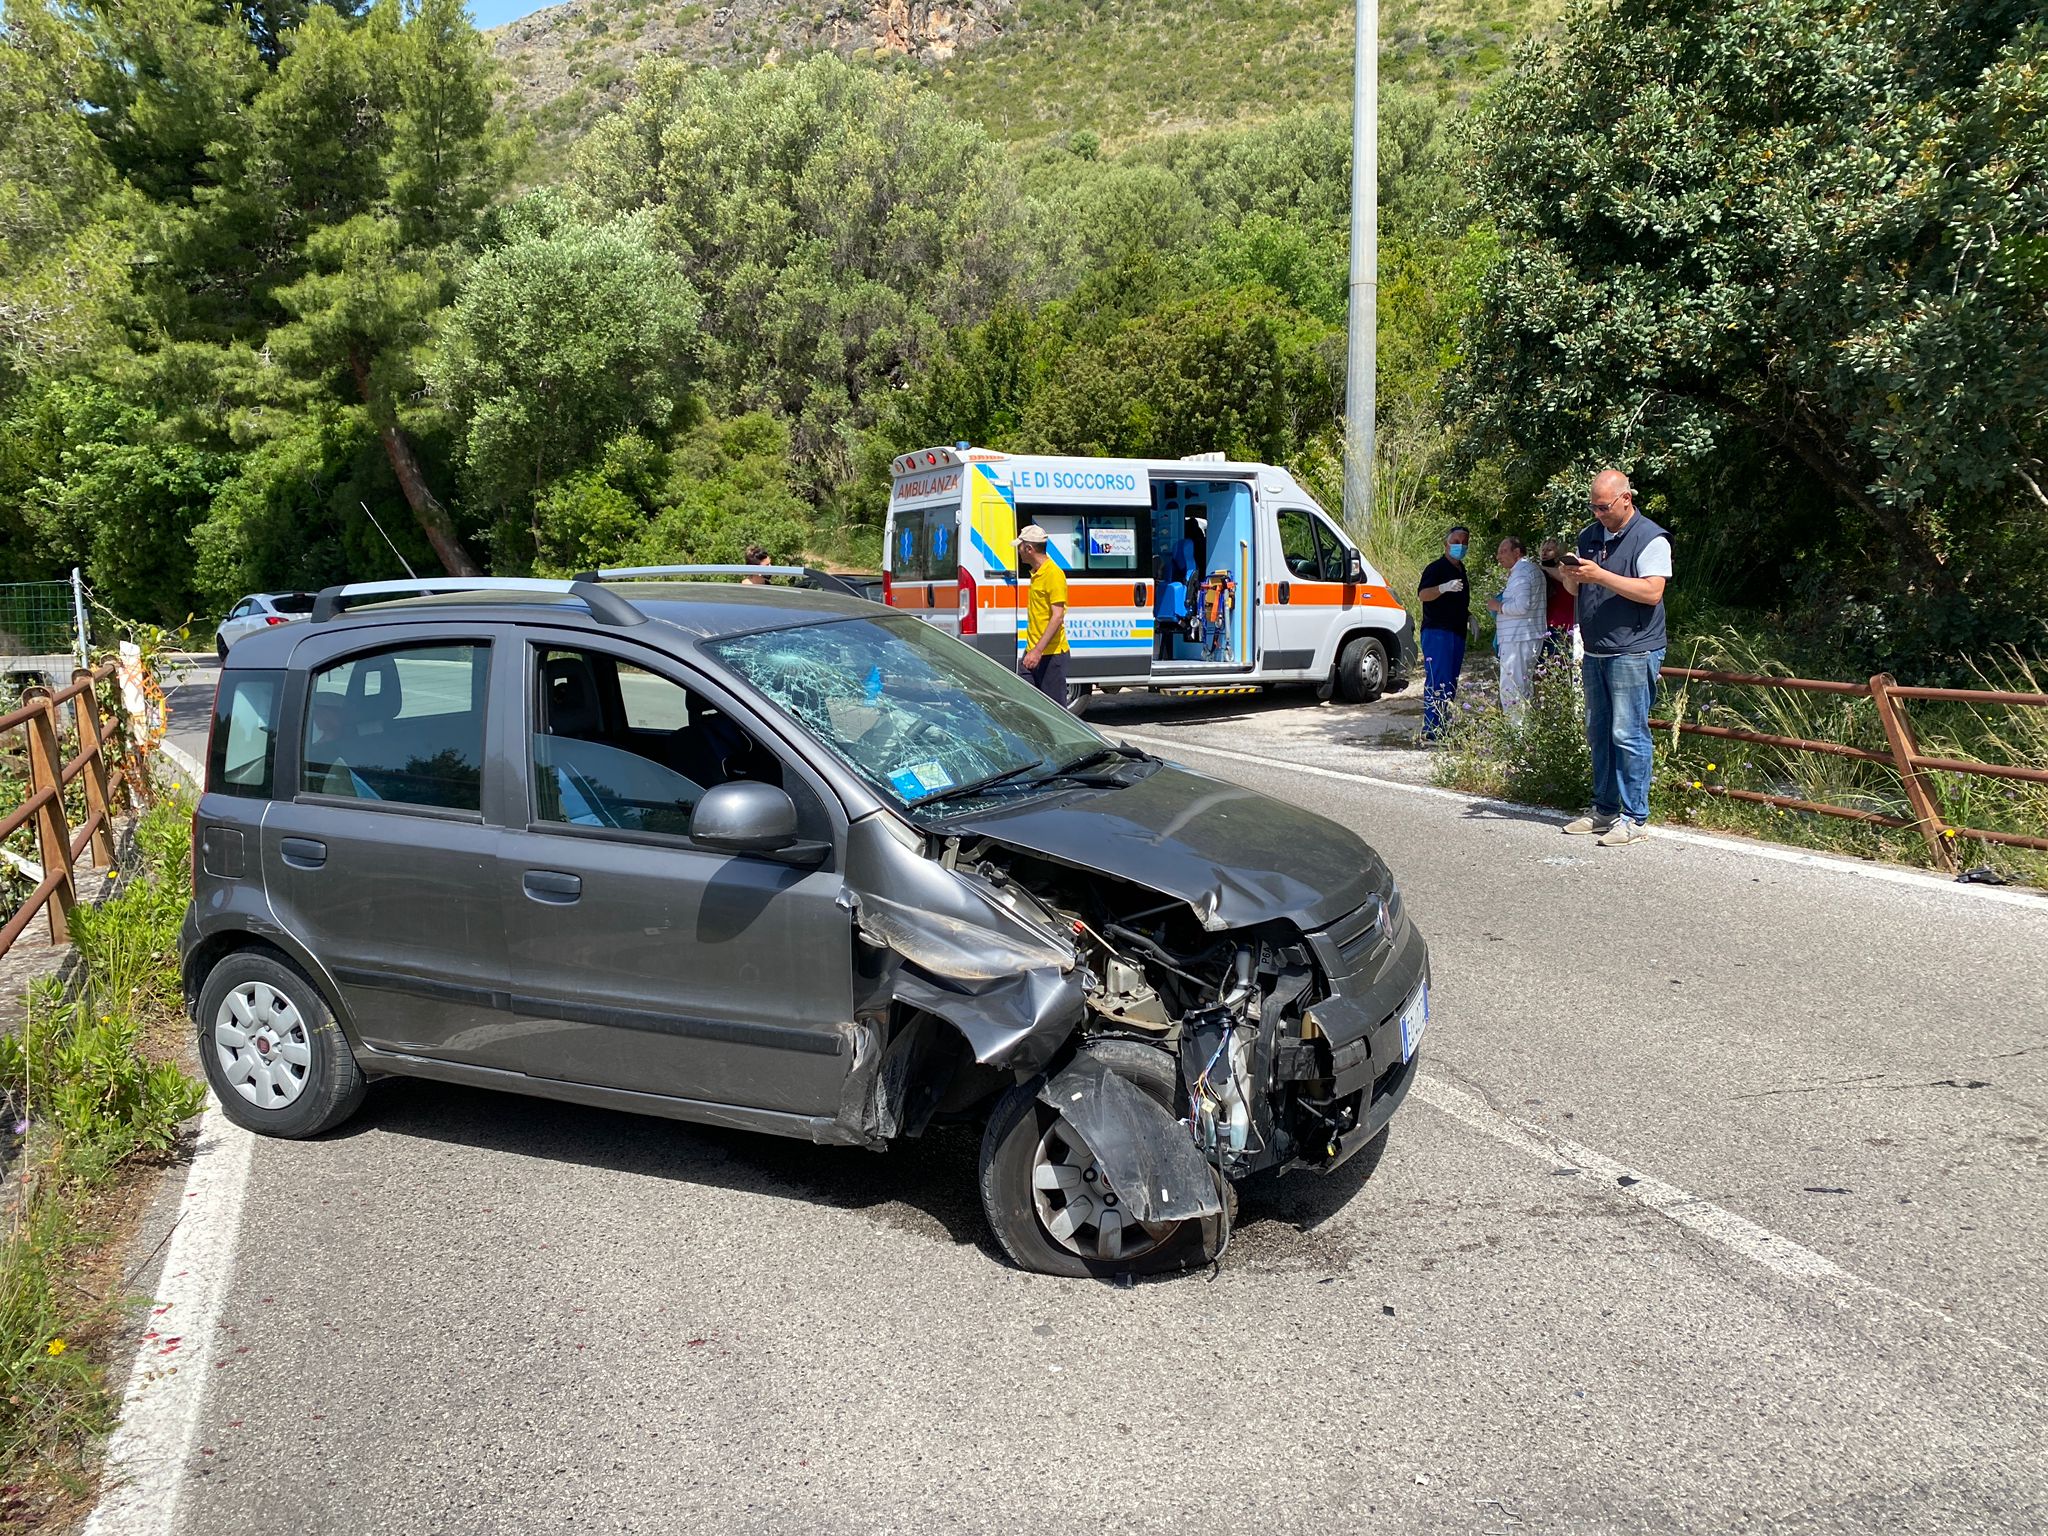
{"x": 1457, "y": 551}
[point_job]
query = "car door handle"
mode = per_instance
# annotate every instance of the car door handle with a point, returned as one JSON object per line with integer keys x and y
{"x": 1286, "y": 591}
{"x": 303, "y": 852}
{"x": 552, "y": 886}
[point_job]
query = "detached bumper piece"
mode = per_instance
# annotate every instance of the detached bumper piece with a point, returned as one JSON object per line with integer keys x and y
{"x": 1144, "y": 1150}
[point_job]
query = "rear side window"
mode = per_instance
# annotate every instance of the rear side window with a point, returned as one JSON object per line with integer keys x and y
{"x": 401, "y": 726}
{"x": 293, "y": 602}
{"x": 242, "y": 751}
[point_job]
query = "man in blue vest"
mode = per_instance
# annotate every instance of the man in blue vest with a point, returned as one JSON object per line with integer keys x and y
{"x": 1619, "y": 575}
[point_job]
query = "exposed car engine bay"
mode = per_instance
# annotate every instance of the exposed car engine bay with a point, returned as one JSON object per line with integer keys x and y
{"x": 1229, "y": 1006}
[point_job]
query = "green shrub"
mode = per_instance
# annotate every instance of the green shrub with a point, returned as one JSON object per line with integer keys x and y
{"x": 1542, "y": 761}
{"x": 91, "y": 1098}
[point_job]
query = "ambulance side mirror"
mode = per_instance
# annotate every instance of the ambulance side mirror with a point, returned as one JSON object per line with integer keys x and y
{"x": 1354, "y": 568}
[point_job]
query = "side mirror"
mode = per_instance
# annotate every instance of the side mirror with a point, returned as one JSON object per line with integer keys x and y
{"x": 743, "y": 817}
{"x": 1354, "y": 568}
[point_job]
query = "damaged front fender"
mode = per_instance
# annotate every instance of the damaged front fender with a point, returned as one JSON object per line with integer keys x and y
{"x": 1008, "y": 984}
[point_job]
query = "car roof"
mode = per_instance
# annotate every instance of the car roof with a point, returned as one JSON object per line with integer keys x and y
{"x": 701, "y": 610}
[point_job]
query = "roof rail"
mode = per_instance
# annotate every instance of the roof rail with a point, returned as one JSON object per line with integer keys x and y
{"x": 605, "y": 607}
{"x": 808, "y": 575}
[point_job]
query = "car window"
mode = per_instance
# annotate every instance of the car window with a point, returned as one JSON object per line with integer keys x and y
{"x": 651, "y": 702}
{"x": 405, "y": 726}
{"x": 293, "y": 602}
{"x": 1298, "y": 545}
{"x": 1336, "y": 554}
{"x": 242, "y": 609}
{"x": 242, "y": 746}
{"x": 914, "y": 712}
{"x": 616, "y": 745}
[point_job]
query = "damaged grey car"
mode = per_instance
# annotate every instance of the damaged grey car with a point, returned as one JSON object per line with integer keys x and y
{"x": 769, "y": 858}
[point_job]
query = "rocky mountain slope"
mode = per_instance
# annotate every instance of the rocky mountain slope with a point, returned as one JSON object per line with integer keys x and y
{"x": 1122, "y": 69}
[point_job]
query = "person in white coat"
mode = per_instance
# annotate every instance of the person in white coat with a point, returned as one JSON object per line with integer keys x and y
{"x": 1519, "y": 625}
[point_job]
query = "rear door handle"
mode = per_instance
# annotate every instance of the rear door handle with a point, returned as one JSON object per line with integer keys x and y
{"x": 303, "y": 852}
{"x": 552, "y": 886}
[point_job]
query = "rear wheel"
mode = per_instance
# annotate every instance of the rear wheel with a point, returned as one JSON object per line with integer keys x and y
{"x": 273, "y": 1054}
{"x": 1046, "y": 1197}
{"x": 1361, "y": 670}
{"x": 220, "y": 646}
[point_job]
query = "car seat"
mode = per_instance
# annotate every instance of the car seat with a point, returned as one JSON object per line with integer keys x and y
{"x": 569, "y": 689}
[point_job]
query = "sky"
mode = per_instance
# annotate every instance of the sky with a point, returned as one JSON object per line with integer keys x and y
{"x": 495, "y": 13}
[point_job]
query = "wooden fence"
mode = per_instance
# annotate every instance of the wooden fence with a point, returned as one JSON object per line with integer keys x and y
{"x": 104, "y": 765}
{"x": 1903, "y": 755}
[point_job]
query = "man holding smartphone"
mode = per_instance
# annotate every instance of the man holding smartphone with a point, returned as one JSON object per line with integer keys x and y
{"x": 1618, "y": 576}
{"x": 1446, "y": 616}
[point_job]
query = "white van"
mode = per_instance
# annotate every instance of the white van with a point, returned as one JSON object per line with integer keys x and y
{"x": 1183, "y": 575}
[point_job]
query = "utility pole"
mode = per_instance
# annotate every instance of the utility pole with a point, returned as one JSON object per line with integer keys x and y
{"x": 1360, "y": 387}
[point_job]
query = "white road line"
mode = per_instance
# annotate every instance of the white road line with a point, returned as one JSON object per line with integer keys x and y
{"x": 1738, "y": 1234}
{"x": 183, "y": 761}
{"x": 147, "y": 1458}
{"x": 2033, "y": 901}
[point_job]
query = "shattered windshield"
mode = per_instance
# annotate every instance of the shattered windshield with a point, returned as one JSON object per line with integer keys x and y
{"x": 929, "y": 721}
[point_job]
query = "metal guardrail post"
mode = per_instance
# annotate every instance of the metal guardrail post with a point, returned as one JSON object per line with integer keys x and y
{"x": 1898, "y": 731}
{"x": 85, "y": 709}
{"x": 53, "y": 837}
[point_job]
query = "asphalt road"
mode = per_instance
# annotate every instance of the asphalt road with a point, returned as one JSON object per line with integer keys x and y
{"x": 1722, "y": 1204}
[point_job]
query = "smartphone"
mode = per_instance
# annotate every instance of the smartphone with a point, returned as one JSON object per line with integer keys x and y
{"x": 1572, "y": 560}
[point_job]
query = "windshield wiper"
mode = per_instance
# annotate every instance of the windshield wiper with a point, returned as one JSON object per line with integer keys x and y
{"x": 1087, "y": 759}
{"x": 975, "y": 786}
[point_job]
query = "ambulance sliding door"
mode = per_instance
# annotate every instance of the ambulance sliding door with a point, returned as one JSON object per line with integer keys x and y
{"x": 1220, "y": 634}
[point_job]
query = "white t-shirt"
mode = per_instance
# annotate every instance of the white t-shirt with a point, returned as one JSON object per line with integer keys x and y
{"x": 1655, "y": 560}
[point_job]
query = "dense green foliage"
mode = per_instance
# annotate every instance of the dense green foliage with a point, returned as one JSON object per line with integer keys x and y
{"x": 1788, "y": 263}
{"x": 1783, "y": 262}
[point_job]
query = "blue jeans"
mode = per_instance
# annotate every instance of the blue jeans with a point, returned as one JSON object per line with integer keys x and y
{"x": 1618, "y": 694}
{"x": 1443, "y": 658}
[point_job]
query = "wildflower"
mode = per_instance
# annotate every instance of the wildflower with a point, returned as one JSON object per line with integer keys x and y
{"x": 57, "y": 1346}
{"x": 1695, "y": 783}
{"x": 21, "y": 1126}
{"x": 1710, "y": 767}
{"x": 1948, "y": 832}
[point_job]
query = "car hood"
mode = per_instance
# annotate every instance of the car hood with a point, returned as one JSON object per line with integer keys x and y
{"x": 1236, "y": 856}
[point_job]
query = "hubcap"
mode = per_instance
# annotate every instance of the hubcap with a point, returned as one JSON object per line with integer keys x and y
{"x": 1077, "y": 1207}
{"x": 265, "y": 1052}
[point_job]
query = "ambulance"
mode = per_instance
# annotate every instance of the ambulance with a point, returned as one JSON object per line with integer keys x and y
{"x": 1195, "y": 575}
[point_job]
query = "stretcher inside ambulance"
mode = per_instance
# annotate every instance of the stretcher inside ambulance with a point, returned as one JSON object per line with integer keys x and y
{"x": 1182, "y": 574}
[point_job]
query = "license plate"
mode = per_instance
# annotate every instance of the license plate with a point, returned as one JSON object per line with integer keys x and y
{"x": 1414, "y": 1020}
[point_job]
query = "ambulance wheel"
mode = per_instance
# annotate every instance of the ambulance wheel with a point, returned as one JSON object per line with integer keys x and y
{"x": 1361, "y": 670}
{"x": 1077, "y": 698}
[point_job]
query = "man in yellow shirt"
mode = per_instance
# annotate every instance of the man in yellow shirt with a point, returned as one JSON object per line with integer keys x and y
{"x": 1045, "y": 629}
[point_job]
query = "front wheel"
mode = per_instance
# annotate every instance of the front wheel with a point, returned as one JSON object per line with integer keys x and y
{"x": 273, "y": 1054}
{"x": 1361, "y": 670}
{"x": 1047, "y": 1199}
{"x": 220, "y": 646}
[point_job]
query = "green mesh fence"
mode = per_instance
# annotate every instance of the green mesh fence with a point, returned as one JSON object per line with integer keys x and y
{"x": 36, "y": 618}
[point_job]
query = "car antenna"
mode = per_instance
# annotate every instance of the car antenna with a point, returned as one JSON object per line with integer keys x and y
{"x": 387, "y": 539}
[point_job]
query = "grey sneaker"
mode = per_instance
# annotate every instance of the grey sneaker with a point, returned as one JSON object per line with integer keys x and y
{"x": 1597, "y": 826}
{"x": 1622, "y": 833}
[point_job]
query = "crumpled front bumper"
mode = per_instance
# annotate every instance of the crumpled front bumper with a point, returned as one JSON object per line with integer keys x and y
{"x": 1374, "y": 967}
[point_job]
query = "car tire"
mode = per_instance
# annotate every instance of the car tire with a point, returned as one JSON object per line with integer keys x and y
{"x": 220, "y": 646}
{"x": 294, "y": 1077}
{"x": 1361, "y": 670}
{"x": 1010, "y": 1152}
